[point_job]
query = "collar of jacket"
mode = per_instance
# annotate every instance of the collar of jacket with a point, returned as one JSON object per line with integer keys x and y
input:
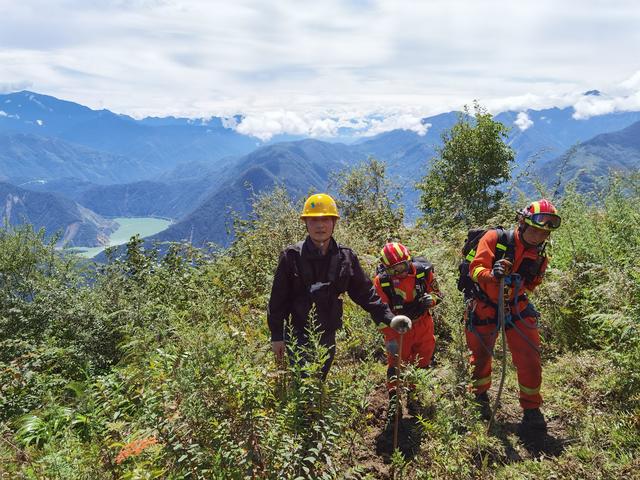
{"x": 311, "y": 251}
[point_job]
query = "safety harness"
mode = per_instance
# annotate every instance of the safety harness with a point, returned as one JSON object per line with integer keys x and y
{"x": 397, "y": 304}
{"x": 505, "y": 248}
{"x": 511, "y": 315}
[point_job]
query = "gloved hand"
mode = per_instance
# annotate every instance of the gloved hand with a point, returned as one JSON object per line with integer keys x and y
{"x": 401, "y": 324}
{"x": 501, "y": 268}
{"x": 427, "y": 300}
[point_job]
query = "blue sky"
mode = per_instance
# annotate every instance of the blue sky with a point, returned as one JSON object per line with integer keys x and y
{"x": 310, "y": 66}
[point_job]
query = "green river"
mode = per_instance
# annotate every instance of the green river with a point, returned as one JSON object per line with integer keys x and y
{"x": 129, "y": 227}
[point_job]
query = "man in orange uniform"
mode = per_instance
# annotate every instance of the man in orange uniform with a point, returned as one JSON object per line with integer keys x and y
{"x": 410, "y": 289}
{"x": 523, "y": 265}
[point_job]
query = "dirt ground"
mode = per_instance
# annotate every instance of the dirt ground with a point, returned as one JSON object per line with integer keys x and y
{"x": 374, "y": 454}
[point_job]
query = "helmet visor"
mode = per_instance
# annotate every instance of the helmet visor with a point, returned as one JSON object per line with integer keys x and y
{"x": 546, "y": 221}
{"x": 398, "y": 268}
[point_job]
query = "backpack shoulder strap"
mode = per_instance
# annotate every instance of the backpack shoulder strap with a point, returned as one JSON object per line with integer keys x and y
{"x": 304, "y": 269}
{"x": 334, "y": 265}
{"x": 387, "y": 288}
{"x": 505, "y": 246}
{"x": 423, "y": 267}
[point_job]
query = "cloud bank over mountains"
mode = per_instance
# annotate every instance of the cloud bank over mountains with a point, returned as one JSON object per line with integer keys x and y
{"x": 624, "y": 97}
{"x": 190, "y": 54}
{"x": 265, "y": 125}
{"x": 302, "y": 67}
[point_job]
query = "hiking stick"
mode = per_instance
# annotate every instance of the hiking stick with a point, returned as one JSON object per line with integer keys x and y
{"x": 504, "y": 352}
{"x": 398, "y": 389}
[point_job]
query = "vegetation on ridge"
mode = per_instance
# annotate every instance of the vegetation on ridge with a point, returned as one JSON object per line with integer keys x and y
{"x": 151, "y": 367}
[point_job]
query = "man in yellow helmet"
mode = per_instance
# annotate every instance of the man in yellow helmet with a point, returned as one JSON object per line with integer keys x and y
{"x": 315, "y": 273}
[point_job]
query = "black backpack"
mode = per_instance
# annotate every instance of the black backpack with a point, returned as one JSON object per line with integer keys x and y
{"x": 504, "y": 249}
{"x": 413, "y": 309}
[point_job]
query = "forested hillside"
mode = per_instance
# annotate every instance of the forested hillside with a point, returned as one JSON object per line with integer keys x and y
{"x": 57, "y": 215}
{"x": 152, "y": 367}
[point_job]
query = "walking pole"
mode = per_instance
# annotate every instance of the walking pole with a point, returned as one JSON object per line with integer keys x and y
{"x": 406, "y": 322}
{"x": 398, "y": 389}
{"x": 504, "y": 352}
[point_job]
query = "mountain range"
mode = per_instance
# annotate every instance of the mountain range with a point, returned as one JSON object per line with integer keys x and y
{"x": 76, "y": 225}
{"x": 197, "y": 171}
{"x": 588, "y": 163}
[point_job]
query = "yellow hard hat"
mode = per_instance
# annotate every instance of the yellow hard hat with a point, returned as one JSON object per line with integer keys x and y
{"x": 320, "y": 205}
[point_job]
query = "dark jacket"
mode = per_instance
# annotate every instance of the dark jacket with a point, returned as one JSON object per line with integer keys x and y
{"x": 304, "y": 277}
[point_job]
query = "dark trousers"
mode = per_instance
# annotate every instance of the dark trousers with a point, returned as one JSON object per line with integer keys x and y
{"x": 305, "y": 346}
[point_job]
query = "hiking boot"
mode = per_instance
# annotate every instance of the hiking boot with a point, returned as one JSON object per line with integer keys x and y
{"x": 484, "y": 405}
{"x": 533, "y": 422}
{"x": 414, "y": 407}
{"x": 434, "y": 362}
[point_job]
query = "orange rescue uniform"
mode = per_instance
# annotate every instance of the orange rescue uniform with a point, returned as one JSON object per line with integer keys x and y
{"x": 418, "y": 343}
{"x": 522, "y": 336}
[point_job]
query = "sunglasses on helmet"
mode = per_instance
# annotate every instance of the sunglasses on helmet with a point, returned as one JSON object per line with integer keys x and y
{"x": 546, "y": 221}
{"x": 398, "y": 268}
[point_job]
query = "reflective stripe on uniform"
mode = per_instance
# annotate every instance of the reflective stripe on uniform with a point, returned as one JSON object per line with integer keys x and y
{"x": 476, "y": 272}
{"x": 529, "y": 391}
{"x": 471, "y": 255}
{"x": 385, "y": 284}
{"x": 482, "y": 381}
{"x": 502, "y": 247}
{"x": 401, "y": 293}
{"x": 420, "y": 275}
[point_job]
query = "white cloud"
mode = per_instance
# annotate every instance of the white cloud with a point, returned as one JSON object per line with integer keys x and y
{"x": 5, "y": 114}
{"x": 324, "y": 128}
{"x": 633, "y": 83}
{"x": 397, "y": 122}
{"x": 229, "y": 122}
{"x": 523, "y": 121}
{"x": 268, "y": 124}
{"x": 625, "y": 97}
{"x": 40, "y": 122}
{"x": 201, "y": 58}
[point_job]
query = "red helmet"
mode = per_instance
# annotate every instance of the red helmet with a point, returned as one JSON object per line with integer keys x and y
{"x": 394, "y": 253}
{"x": 542, "y": 214}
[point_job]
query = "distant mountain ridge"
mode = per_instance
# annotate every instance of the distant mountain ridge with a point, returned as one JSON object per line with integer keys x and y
{"x": 77, "y": 225}
{"x": 197, "y": 170}
{"x": 26, "y": 157}
{"x": 154, "y": 144}
{"x": 553, "y": 131}
{"x": 592, "y": 161}
{"x": 298, "y": 166}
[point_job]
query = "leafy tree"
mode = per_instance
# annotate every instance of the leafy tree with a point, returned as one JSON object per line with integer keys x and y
{"x": 473, "y": 161}
{"x": 369, "y": 201}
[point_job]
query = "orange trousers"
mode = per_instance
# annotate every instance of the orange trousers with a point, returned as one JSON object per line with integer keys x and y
{"x": 521, "y": 340}
{"x": 418, "y": 345}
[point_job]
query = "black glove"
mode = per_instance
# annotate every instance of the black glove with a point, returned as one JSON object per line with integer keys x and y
{"x": 501, "y": 268}
{"x": 401, "y": 324}
{"x": 427, "y": 300}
